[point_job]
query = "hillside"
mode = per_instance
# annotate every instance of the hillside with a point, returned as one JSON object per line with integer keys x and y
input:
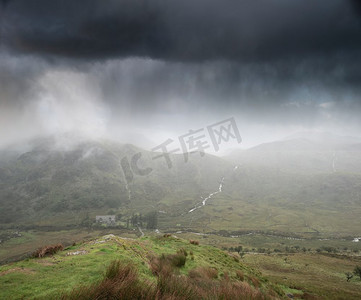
{"x": 305, "y": 154}
{"x": 303, "y": 186}
{"x": 50, "y": 180}
{"x": 300, "y": 185}
{"x": 164, "y": 265}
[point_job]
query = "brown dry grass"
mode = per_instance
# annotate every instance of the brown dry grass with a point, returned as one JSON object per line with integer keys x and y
{"x": 203, "y": 272}
{"x": 121, "y": 281}
{"x": 18, "y": 270}
{"x": 48, "y": 250}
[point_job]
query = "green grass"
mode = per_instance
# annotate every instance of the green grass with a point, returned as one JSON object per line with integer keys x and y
{"x": 45, "y": 278}
{"x": 19, "y": 247}
{"x": 318, "y": 274}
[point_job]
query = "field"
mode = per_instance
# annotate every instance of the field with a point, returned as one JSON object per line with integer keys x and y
{"x": 317, "y": 274}
{"x": 26, "y": 242}
{"x": 306, "y": 268}
{"x": 85, "y": 264}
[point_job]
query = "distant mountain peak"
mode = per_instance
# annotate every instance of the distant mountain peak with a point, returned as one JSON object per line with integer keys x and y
{"x": 323, "y": 137}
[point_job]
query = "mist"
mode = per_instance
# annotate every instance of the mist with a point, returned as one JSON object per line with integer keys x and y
{"x": 150, "y": 77}
{"x": 180, "y": 149}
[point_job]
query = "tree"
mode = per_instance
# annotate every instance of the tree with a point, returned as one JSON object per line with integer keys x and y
{"x": 111, "y": 212}
{"x": 87, "y": 222}
{"x": 349, "y": 276}
{"x": 238, "y": 249}
{"x": 140, "y": 220}
{"x": 134, "y": 220}
{"x": 357, "y": 271}
{"x": 152, "y": 220}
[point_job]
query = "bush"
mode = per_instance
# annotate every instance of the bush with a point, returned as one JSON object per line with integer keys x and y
{"x": 204, "y": 272}
{"x": 178, "y": 260}
{"x": 175, "y": 287}
{"x": 48, "y": 250}
{"x": 329, "y": 249}
{"x": 240, "y": 275}
{"x": 193, "y": 242}
{"x": 166, "y": 263}
{"x": 183, "y": 251}
{"x": 236, "y": 290}
{"x": 254, "y": 281}
{"x": 120, "y": 282}
{"x": 119, "y": 271}
{"x": 349, "y": 276}
{"x": 357, "y": 271}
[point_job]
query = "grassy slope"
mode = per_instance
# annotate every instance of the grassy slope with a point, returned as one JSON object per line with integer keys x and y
{"x": 20, "y": 247}
{"x": 44, "y": 187}
{"x": 46, "y": 278}
{"x": 320, "y": 274}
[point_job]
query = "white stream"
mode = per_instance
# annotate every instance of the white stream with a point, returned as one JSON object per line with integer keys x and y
{"x": 129, "y": 191}
{"x": 140, "y": 230}
{"x": 334, "y": 162}
{"x": 204, "y": 202}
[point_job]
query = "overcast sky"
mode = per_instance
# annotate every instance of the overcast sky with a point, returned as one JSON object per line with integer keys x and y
{"x": 115, "y": 68}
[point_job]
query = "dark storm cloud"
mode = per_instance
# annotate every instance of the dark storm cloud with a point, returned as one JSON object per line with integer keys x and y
{"x": 248, "y": 30}
{"x": 167, "y": 66}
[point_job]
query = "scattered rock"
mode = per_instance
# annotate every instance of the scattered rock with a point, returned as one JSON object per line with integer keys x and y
{"x": 80, "y": 252}
{"x": 109, "y": 237}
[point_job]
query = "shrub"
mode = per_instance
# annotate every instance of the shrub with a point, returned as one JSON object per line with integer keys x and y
{"x": 225, "y": 276}
{"x": 119, "y": 271}
{"x": 193, "y": 242}
{"x": 240, "y": 275}
{"x": 255, "y": 282}
{"x": 203, "y": 272}
{"x": 48, "y": 250}
{"x": 166, "y": 263}
{"x": 178, "y": 260}
{"x": 329, "y": 249}
{"x": 349, "y": 276}
{"x": 235, "y": 290}
{"x": 159, "y": 266}
{"x": 357, "y": 271}
{"x": 183, "y": 251}
{"x": 175, "y": 287}
{"x": 120, "y": 282}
